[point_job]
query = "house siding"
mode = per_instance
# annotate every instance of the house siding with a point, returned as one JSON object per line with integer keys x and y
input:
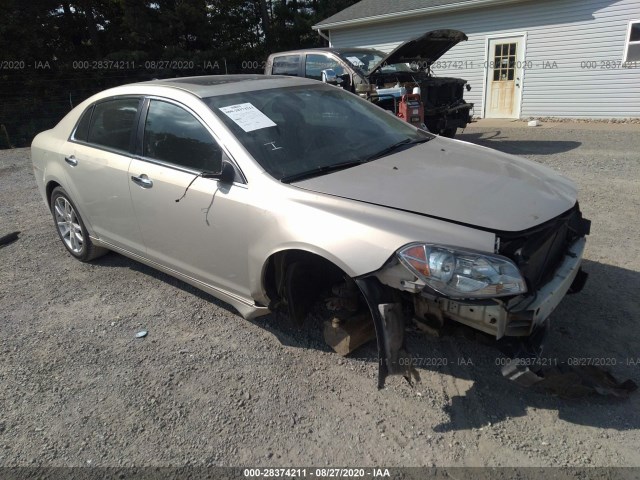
{"x": 567, "y": 32}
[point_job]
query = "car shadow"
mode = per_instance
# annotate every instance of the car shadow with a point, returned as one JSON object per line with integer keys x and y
{"x": 598, "y": 324}
{"x": 115, "y": 260}
{"x": 498, "y": 141}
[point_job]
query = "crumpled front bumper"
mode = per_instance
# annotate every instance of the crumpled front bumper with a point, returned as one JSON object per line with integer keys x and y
{"x": 532, "y": 312}
{"x": 522, "y": 316}
{"x": 449, "y": 116}
{"x": 515, "y": 318}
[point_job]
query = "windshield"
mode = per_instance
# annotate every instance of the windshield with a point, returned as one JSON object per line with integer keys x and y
{"x": 367, "y": 60}
{"x": 397, "y": 67}
{"x": 294, "y": 130}
{"x": 364, "y": 60}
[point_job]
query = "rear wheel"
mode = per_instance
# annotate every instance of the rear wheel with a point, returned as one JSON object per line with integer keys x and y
{"x": 71, "y": 229}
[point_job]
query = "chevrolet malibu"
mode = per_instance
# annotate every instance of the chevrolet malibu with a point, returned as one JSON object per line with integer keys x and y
{"x": 280, "y": 193}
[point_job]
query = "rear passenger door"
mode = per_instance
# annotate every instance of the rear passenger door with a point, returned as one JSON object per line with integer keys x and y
{"x": 286, "y": 65}
{"x": 100, "y": 151}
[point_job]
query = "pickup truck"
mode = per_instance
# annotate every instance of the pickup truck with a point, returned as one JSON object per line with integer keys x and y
{"x": 385, "y": 78}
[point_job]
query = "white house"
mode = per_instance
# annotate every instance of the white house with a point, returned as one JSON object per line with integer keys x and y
{"x": 523, "y": 58}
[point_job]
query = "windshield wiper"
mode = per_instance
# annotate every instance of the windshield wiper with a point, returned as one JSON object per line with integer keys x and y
{"x": 316, "y": 172}
{"x": 396, "y": 146}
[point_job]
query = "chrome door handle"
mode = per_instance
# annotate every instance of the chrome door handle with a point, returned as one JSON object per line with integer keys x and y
{"x": 142, "y": 180}
{"x": 71, "y": 160}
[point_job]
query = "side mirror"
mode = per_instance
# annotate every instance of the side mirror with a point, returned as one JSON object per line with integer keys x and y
{"x": 329, "y": 76}
{"x": 468, "y": 87}
{"x": 227, "y": 174}
{"x": 221, "y": 170}
{"x": 216, "y": 164}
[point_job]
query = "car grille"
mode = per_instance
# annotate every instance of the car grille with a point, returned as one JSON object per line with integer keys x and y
{"x": 539, "y": 251}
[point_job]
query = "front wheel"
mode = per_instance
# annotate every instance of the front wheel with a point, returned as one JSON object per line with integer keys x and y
{"x": 448, "y": 132}
{"x": 71, "y": 229}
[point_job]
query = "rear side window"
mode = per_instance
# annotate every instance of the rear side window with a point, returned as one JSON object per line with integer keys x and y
{"x": 286, "y": 65}
{"x": 113, "y": 122}
{"x": 173, "y": 135}
{"x": 82, "y": 129}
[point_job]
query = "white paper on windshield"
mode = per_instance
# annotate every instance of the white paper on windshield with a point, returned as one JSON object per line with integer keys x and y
{"x": 248, "y": 117}
{"x": 356, "y": 61}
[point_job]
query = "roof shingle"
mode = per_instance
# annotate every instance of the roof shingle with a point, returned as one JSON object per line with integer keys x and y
{"x": 374, "y": 8}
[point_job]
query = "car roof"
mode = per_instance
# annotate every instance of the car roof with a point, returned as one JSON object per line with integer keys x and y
{"x": 214, "y": 85}
{"x": 326, "y": 49}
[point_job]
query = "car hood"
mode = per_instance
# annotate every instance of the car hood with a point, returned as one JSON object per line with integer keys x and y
{"x": 458, "y": 182}
{"x": 425, "y": 49}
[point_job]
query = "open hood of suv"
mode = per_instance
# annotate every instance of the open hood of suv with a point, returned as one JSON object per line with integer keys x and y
{"x": 425, "y": 49}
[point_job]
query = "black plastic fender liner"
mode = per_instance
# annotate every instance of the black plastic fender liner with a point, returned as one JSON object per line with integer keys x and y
{"x": 578, "y": 282}
{"x": 388, "y": 319}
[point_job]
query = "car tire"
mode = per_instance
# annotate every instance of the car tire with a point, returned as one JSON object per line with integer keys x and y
{"x": 71, "y": 229}
{"x": 449, "y": 132}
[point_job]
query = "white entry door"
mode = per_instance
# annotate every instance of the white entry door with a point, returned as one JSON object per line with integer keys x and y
{"x": 504, "y": 77}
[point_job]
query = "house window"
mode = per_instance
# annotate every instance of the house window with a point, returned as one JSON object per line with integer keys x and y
{"x": 632, "y": 47}
{"x": 504, "y": 62}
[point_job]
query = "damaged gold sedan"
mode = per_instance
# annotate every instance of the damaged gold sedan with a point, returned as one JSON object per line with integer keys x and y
{"x": 276, "y": 193}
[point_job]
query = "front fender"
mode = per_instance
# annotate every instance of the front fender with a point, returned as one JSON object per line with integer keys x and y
{"x": 355, "y": 236}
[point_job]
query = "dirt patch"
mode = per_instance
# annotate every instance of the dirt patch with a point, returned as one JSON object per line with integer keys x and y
{"x": 206, "y": 387}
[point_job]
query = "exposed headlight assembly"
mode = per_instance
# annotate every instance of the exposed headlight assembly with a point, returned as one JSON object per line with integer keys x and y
{"x": 460, "y": 273}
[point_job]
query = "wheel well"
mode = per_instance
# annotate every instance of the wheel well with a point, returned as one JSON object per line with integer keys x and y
{"x": 50, "y": 186}
{"x": 296, "y": 279}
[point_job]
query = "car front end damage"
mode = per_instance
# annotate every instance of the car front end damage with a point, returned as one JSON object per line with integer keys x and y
{"x": 444, "y": 106}
{"x": 445, "y": 109}
{"x": 508, "y": 294}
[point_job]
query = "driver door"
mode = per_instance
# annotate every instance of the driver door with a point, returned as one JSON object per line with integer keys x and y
{"x": 315, "y": 64}
{"x": 197, "y": 230}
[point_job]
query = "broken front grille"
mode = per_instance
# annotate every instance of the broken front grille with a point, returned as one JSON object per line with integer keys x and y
{"x": 539, "y": 251}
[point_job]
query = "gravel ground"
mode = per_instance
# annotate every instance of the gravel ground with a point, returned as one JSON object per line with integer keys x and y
{"x": 206, "y": 387}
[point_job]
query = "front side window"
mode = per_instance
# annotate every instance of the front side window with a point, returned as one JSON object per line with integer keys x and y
{"x": 171, "y": 134}
{"x": 113, "y": 123}
{"x": 286, "y": 65}
{"x": 632, "y": 47}
{"x": 316, "y": 63}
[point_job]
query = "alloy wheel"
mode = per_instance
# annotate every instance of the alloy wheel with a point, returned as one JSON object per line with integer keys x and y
{"x": 69, "y": 225}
